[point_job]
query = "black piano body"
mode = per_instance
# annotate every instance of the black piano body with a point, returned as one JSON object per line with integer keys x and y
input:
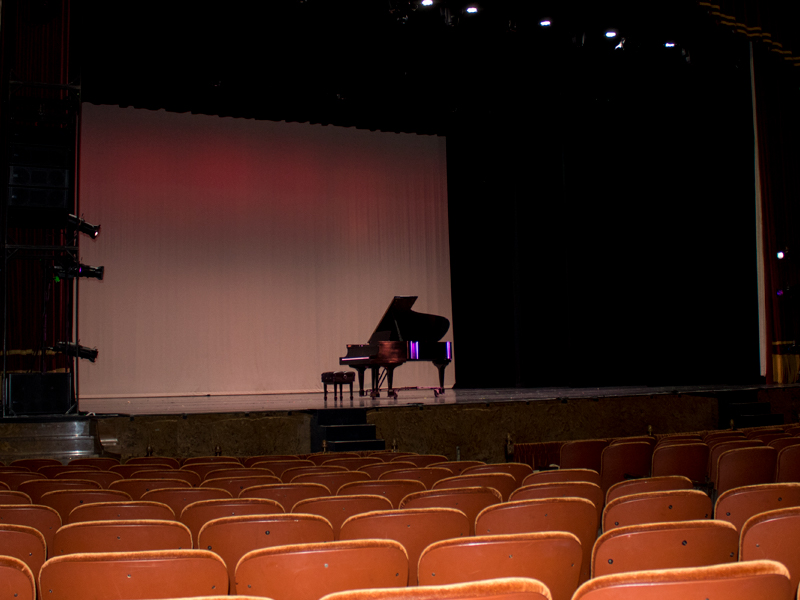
{"x": 402, "y": 335}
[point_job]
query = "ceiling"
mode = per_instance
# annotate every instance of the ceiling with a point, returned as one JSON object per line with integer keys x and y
{"x": 375, "y": 64}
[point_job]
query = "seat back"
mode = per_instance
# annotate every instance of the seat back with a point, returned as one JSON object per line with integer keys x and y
{"x": 121, "y": 510}
{"x": 286, "y": 494}
{"x": 179, "y": 498}
{"x": 129, "y": 468}
{"x": 665, "y": 546}
{"x": 203, "y": 469}
{"x": 102, "y": 462}
{"x": 133, "y": 575}
{"x": 414, "y": 528}
{"x": 14, "y": 478}
{"x": 136, "y": 488}
{"x": 279, "y": 466}
{"x": 745, "y": 466}
{"x": 716, "y": 451}
{"x": 324, "y": 457}
{"x": 377, "y": 469}
{"x": 573, "y": 515}
{"x": 39, "y": 487}
{"x": 252, "y": 460}
{"x": 687, "y": 460}
{"x": 392, "y": 489}
{"x": 648, "y": 484}
{"x": 310, "y": 571}
{"x": 424, "y": 460}
{"x": 556, "y": 475}
{"x": 240, "y": 471}
{"x": 16, "y": 579}
{"x": 353, "y": 464}
{"x": 781, "y": 443}
{"x": 456, "y": 467}
{"x": 13, "y": 497}
{"x": 582, "y": 454}
{"x": 44, "y": 519}
{"x": 35, "y": 464}
{"x": 774, "y": 535}
{"x": 554, "y": 558}
{"x": 626, "y": 460}
{"x": 427, "y": 475}
{"x": 24, "y": 543}
{"x": 236, "y": 485}
{"x": 63, "y": 501}
{"x": 197, "y": 514}
{"x": 657, "y": 507}
{"x": 788, "y": 467}
{"x": 519, "y": 471}
{"x": 120, "y": 536}
{"x": 166, "y": 461}
{"x": 337, "y": 509}
{"x": 102, "y": 478}
{"x": 754, "y": 580}
{"x": 190, "y": 477}
{"x": 502, "y": 482}
{"x": 508, "y": 588}
{"x": 737, "y": 505}
{"x": 233, "y": 537}
{"x": 332, "y": 481}
{"x": 208, "y": 460}
{"x": 469, "y": 500}
{"x": 565, "y": 489}
{"x": 289, "y": 474}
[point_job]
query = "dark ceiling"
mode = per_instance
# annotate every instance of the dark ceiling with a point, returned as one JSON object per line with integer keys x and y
{"x": 376, "y": 64}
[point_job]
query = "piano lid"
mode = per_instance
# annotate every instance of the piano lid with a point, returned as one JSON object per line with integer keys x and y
{"x": 401, "y": 324}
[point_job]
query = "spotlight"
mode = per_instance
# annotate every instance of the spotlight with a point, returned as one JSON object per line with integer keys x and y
{"x": 427, "y": 2}
{"x": 80, "y": 270}
{"x": 472, "y": 10}
{"x": 545, "y": 23}
{"x": 669, "y": 44}
{"x": 783, "y": 254}
{"x": 73, "y": 349}
{"x": 611, "y": 34}
{"x": 80, "y": 224}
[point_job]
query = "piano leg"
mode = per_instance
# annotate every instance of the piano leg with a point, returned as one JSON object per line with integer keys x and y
{"x": 376, "y": 382}
{"x": 360, "y": 371}
{"x": 441, "y": 366}
{"x": 389, "y": 377}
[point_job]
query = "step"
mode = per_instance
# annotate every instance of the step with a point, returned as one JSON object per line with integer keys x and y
{"x": 343, "y": 433}
{"x": 356, "y": 445}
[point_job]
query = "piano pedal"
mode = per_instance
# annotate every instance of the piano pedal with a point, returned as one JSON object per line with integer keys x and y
{"x": 435, "y": 393}
{"x": 392, "y": 394}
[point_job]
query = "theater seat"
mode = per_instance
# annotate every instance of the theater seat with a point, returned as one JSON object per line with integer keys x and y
{"x": 511, "y": 588}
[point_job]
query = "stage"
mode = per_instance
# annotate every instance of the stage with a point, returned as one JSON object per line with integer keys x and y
{"x": 468, "y": 424}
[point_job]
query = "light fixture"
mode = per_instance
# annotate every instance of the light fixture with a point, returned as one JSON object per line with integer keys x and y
{"x": 73, "y": 349}
{"x": 80, "y": 224}
{"x": 611, "y": 34}
{"x": 783, "y": 254}
{"x": 472, "y": 9}
{"x": 79, "y": 270}
{"x": 545, "y": 23}
{"x": 427, "y": 2}
{"x": 669, "y": 44}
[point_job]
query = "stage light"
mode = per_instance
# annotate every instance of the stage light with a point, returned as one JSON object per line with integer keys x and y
{"x": 545, "y": 22}
{"x": 427, "y": 2}
{"x": 783, "y": 254}
{"x": 611, "y": 34}
{"x": 80, "y": 270}
{"x": 73, "y": 349}
{"x": 472, "y": 10}
{"x": 669, "y": 44}
{"x": 81, "y": 225}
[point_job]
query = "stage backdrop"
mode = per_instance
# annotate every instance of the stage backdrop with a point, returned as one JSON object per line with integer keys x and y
{"x": 242, "y": 256}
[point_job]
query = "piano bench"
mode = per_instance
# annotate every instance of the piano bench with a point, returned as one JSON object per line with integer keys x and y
{"x": 338, "y": 378}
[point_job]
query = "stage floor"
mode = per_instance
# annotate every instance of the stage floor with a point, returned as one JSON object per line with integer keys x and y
{"x": 406, "y": 397}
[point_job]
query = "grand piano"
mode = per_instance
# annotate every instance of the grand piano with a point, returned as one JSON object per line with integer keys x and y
{"x": 401, "y": 335}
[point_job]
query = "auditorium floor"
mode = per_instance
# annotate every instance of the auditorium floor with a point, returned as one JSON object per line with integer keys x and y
{"x": 406, "y": 397}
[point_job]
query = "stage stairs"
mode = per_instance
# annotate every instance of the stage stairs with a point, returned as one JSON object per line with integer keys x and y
{"x": 343, "y": 430}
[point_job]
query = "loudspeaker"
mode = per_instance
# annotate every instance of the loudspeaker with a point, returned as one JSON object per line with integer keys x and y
{"x": 38, "y": 393}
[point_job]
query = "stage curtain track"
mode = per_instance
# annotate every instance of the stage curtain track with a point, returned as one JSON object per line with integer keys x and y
{"x": 242, "y": 256}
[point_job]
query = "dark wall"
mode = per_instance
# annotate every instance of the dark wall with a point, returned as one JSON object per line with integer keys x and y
{"x": 603, "y": 226}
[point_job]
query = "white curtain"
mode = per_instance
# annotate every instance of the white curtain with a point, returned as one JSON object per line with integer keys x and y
{"x": 242, "y": 256}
